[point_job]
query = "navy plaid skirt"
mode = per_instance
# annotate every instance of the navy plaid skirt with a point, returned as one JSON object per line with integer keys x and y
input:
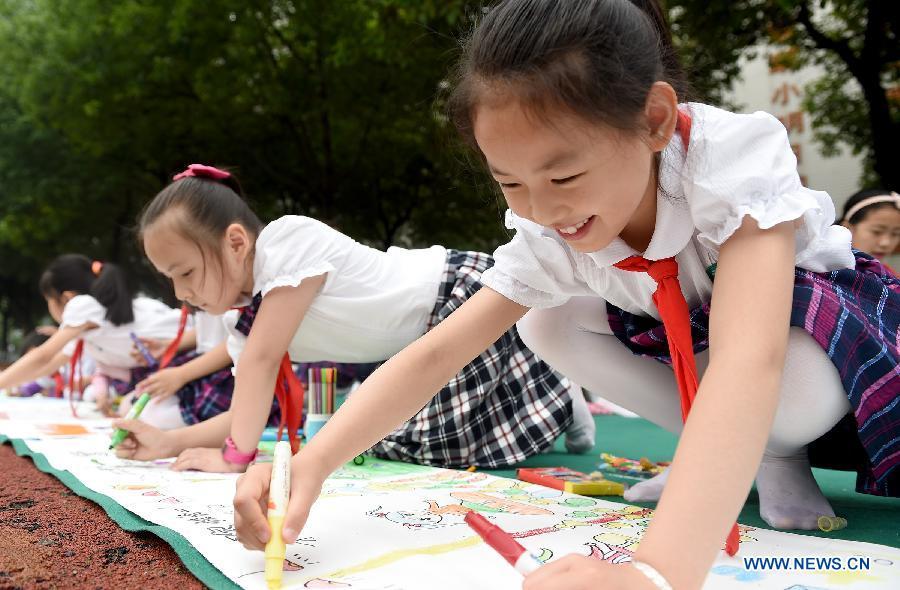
{"x": 854, "y": 315}
{"x": 200, "y": 399}
{"x": 504, "y": 406}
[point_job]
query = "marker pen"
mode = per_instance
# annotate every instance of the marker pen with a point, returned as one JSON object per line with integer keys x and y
{"x": 151, "y": 362}
{"x": 133, "y": 414}
{"x": 279, "y": 492}
{"x": 500, "y": 541}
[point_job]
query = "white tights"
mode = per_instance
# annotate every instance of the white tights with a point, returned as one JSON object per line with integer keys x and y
{"x": 576, "y": 340}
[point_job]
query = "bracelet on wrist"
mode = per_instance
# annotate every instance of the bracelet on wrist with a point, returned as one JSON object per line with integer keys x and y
{"x": 231, "y": 454}
{"x": 652, "y": 574}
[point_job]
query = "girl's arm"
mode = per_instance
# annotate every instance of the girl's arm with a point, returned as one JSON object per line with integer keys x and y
{"x": 53, "y": 365}
{"x": 207, "y": 363}
{"x": 728, "y": 426}
{"x": 145, "y": 442}
{"x": 167, "y": 382}
{"x": 392, "y": 394}
{"x": 276, "y": 322}
{"x": 36, "y": 360}
{"x": 188, "y": 341}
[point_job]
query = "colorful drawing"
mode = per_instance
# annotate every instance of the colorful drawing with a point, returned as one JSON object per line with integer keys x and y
{"x": 395, "y": 526}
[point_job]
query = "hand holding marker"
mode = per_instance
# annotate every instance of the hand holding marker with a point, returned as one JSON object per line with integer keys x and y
{"x": 502, "y": 542}
{"x": 279, "y": 493}
{"x": 133, "y": 414}
{"x": 151, "y": 362}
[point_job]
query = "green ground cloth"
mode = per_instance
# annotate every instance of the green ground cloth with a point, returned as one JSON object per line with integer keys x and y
{"x": 872, "y": 519}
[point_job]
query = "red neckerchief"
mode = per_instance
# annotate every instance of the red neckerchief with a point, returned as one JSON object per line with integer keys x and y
{"x": 172, "y": 348}
{"x": 288, "y": 388}
{"x": 674, "y": 312}
{"x": 75, "y": 365}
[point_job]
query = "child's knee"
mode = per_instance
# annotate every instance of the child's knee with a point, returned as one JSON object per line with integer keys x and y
{"x": 812, "y": 398}
{"x": 543, "y": 330}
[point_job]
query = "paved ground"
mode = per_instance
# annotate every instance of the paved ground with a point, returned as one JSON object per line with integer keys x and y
{"x": 50, "y": 538}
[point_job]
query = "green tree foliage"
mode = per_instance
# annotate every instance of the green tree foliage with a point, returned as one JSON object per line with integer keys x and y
{"x": 322, "y": 108}
{"x": 855, "y": 104}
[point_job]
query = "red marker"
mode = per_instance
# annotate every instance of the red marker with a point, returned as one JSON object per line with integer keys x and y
{"x": 500, "y": 541}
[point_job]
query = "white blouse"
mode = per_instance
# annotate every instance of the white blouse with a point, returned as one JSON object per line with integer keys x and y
{"x": 109, "y": 345}
{"x": 211, "y": 331}
{"x": 736, "y": 165}
{"x": 372, "y": 304}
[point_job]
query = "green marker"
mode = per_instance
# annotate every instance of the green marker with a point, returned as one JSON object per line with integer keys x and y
{"x": 133, "y": 414}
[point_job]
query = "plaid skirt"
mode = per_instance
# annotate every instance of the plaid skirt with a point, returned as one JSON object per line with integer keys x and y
{"x": 854, "y": 315}
{"x": 504, "y": 406}
{"x": 200, "y": 399}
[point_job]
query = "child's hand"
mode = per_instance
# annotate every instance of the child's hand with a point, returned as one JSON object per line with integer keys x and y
{"x": 145, "y": 442}
{"x": 103, "y": 401}
{"x": 252, "y": 496}
{"x": 156, "y": 348}
{"x": 577, "y": 572}
{"x": 162, "y": 384}
{"x": 210, "y": 460}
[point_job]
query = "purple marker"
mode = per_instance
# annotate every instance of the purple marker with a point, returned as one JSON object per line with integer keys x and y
{"x": 151, "y": 362}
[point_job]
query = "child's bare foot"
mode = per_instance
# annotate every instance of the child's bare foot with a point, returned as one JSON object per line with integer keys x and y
{"x": 789, "y": 497}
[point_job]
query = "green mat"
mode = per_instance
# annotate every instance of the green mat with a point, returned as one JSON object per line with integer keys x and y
{"x": 871, "y": 519}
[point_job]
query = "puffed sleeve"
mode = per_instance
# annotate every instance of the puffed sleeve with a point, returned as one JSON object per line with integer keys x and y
{"x": 294, "y": 248}
{"x": 533, "y": 269}
{"x": 739, "y": 165}
{"x": 83, "y": 309}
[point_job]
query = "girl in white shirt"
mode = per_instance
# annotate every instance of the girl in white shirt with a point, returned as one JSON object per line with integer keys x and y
{"x": 196, "y": 385}
{"x": 310, "y": 293}
{"x": 96, "y": 313}
{"x": 574, "y": 108}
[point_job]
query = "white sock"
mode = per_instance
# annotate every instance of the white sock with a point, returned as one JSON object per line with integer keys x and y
{"x": 649, "y": 490}
{"x": 580, "y": 435}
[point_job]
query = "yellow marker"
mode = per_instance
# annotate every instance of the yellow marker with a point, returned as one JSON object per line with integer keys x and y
{"x": 471, "y": 468}
{"x": 279, "y": 492}
{"x": 828, "y": 524}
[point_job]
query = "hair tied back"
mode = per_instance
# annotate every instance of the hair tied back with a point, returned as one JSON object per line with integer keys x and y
{"x": 202, "y": 171}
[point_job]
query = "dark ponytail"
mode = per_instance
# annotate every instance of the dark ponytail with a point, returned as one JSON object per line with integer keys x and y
{"x": 105, "y": 282}
{"x": 595, "y": 58}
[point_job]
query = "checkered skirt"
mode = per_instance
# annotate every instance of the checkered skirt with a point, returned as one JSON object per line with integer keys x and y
{"x": 504, "y": 406}
{"x": 854, "y": 315}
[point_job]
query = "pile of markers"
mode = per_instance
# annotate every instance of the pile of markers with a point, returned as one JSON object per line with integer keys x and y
{"x": 320, "y": 391}
{"x": 621, "y": 466}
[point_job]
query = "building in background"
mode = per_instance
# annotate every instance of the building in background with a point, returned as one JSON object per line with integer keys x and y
{"x": 780, "y": 92}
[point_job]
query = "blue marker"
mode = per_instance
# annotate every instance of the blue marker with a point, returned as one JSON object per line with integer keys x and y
{"x": 151, "y": 362}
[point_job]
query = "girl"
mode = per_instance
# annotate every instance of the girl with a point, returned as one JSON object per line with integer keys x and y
{"x": 96, "y": 311}
{"x": 633, "y": 213}
{"x": 873, "y": 216}
{"x": 199, "y": 377}
{"x": 356, "y": 305}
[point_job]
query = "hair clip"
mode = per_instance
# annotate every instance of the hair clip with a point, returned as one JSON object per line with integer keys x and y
{"x": 96, "y": 267}
{"x": 202, "y": 171}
